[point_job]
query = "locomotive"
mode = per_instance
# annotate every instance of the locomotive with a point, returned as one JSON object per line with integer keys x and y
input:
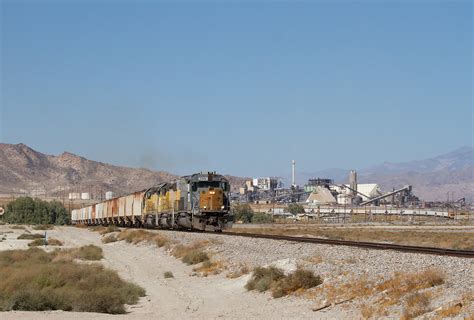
{"x": 197, "y": 202}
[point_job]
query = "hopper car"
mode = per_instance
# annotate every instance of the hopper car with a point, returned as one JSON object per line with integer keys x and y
{"x": 197, "y": 202}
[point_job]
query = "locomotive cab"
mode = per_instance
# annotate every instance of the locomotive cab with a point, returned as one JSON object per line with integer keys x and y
{"x": 211, "y": 205}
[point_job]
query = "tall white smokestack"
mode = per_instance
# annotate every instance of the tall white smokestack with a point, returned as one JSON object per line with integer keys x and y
{"x": 293, "y": 184}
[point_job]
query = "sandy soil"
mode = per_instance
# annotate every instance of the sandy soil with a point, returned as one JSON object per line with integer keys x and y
{"x": 184, "y": 296}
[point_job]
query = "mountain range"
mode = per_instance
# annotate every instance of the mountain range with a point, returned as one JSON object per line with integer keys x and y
{"x": 431, "y": 178}
{"x": 26, "y": 171}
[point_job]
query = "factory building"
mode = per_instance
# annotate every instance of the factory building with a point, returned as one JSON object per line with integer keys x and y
{"x": 267, "y": 183}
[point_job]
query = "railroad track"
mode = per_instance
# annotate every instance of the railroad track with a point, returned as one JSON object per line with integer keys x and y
{"x": 361, "y": 244}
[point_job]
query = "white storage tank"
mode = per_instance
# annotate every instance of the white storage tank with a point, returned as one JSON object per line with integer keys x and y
{"x": 343, "y": 199}
{"x": 109, "y": 195}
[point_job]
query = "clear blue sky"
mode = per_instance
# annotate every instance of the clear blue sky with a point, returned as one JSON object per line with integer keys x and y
{"x": 241, "y": 88}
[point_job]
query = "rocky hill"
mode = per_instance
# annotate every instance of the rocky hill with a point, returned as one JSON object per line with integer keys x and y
{"x": 24, "y": 170}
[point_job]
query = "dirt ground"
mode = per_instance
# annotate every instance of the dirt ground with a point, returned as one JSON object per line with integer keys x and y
{"x": 184, "y": 296}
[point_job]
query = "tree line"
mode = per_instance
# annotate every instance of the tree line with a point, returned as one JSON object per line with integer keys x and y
{"x": 26, "y": 210}
{"x": 245, "y": 213}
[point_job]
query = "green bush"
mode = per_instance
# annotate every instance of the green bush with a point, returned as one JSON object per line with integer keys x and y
{"x": 168, "y": 274}
{"x": 262, "y": 218}
{"x": 243, "y": 212}
{"x": 27, "y": 210}
{"x": 33, "y": 280}
{"x": 295, "y": 208}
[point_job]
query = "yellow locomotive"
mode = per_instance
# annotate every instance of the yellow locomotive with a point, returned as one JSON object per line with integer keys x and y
{"x": 200, "y": 201}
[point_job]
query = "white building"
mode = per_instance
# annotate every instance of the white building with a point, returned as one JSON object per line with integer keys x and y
{"x": 365, "y": 190}
{"x": 266, "y": 183}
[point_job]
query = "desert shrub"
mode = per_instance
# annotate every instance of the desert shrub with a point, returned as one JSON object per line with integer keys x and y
{"x": 299, "y": 280}
{"x": 43, "y": 227}
{"x": 26, "y": 210}
{"x": 195, "y": 257}
{"x": 18, "y": 227}
{"x": 36, "y": 243}
{"x": 243, "y": 212}
{"x": 274, "y": 279}
{"x": 262, "y": 218}
{"x": 89, "y": 252}
{"x": 168, "y": 274}
{"x": 109, "y": 238}
{"x": 41, "y": 242}
{"x": 109, "y": 229}
{"x": 262, "y": 278}
{"x": 32, "y": 280}
{"x": 30, "y": 236}
{"x": 137, "y": 236}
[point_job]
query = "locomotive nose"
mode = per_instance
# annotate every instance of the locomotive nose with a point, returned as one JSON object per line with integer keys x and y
{"x": 212, "y": 200}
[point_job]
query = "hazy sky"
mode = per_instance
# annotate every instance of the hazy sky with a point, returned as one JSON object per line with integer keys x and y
{"x": 238, "y": 87}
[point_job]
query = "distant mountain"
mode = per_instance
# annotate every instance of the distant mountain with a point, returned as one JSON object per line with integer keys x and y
{"x": 24, "y": 170}
{"x": 431, "y": 178}
{"x": 458, "y": 159}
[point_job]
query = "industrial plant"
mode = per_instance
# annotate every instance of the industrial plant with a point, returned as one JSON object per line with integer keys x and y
{"x": 322, "y": 195}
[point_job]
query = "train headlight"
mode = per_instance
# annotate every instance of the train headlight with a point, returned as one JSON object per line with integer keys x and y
{"x": 212, "y": 192}
{"x": 205, "y": 207}
{"x": 223, "y": 207}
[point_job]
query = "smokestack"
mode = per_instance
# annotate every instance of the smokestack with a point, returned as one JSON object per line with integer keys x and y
{"x": 353, "y": 182}
{"x": 293, "y": 184}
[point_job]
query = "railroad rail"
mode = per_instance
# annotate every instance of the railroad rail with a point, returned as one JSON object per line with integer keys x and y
{"x": 361, "y": 244}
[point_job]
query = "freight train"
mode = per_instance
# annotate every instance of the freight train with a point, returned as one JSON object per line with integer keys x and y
{"x": 197, "y": 202}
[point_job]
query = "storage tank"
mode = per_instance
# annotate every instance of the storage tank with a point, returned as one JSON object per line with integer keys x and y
{"x": 353, "y": 181}
{"x": 109, "y": 195}
{"x": 343, "y": 198}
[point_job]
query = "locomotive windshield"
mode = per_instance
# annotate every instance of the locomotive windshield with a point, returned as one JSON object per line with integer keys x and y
{"x": 210, "y": 184}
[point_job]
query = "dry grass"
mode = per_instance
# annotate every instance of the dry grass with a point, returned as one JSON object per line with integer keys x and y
{"x": 442, "y": 238}
{"x": 314, "y": 259}
{"x": 274, "y": 279}
{"x": 367, "y": 310}
{"x": 137, "y": 236}
{"x": 33, "y": 280}
{"x": 455, "y": 308}
{"x": 208, "y": 268}
{"x": 416, "y": 304}
{"x": 42, "y": 242}
{"x": 404, "y": 283}
{"x": 241, "y": 270}
{"x": 30, "y": 236}
{"x": 191, "y": 254}
{"x": 386, "y": 293}
{"x": 90, "y": 252}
